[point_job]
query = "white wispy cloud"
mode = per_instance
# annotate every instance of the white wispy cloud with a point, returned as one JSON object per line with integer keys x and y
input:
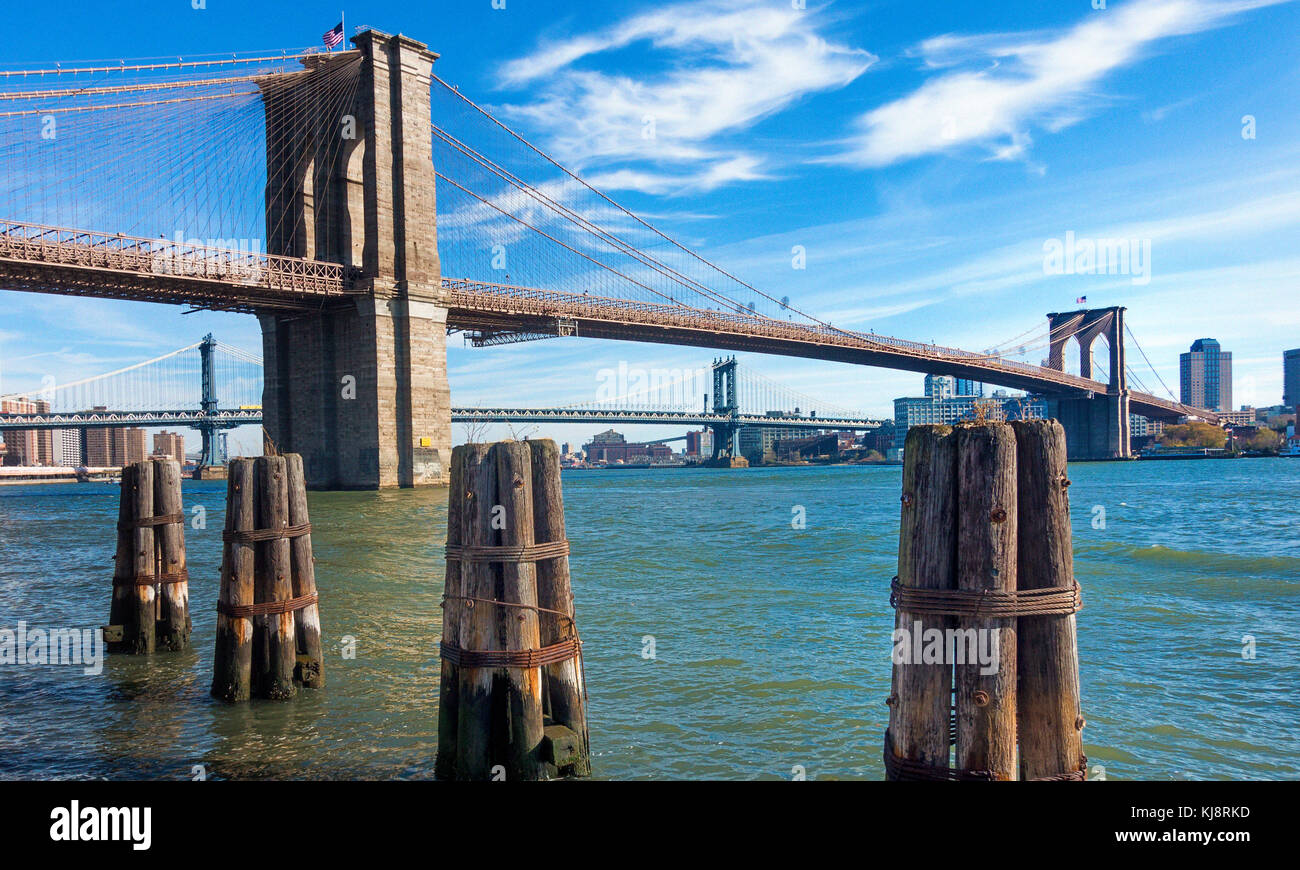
{"x": 996, "y": 90}
{"x": 724, "y": 65}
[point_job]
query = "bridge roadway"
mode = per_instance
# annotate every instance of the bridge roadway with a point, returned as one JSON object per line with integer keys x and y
{"x": 45, "y": 259}
{"x": 243, "y": 417}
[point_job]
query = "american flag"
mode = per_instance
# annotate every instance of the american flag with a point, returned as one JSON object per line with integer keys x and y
{"x": 334, "y": 36}
{"x": 1081, "y": 300}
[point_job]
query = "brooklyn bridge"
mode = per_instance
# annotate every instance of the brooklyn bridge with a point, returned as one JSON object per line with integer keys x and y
{"x": 363, "y": 209}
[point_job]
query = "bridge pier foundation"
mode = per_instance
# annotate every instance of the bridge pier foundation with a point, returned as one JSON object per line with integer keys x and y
{"x": 360, "y": 389}
{"x": 361, "y": 392}
{"x": 1095, "y": 428}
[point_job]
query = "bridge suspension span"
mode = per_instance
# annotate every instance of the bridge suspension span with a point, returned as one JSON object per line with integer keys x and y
{"x": 362, "y": 207}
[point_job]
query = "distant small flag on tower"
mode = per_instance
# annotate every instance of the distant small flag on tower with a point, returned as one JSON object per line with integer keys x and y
{"x": 1081, "y": 300}
{"x": 334, "y": 36}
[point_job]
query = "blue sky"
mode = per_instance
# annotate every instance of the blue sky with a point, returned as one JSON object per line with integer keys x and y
{"x": 920, "y": 153}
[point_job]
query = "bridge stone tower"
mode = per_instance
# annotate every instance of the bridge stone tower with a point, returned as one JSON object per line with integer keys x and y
{"x": 1096, "y": 427}
{"x": 360, "y": 388}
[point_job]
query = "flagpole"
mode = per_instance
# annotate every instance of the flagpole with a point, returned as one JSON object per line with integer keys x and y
{"x": 343, "y": 20}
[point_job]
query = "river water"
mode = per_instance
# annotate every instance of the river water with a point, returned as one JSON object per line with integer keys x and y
{"x": 770, "y": 644}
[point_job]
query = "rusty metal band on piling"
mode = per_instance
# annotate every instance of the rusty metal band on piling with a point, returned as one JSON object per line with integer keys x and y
{"x": 181, "y": 576}
{"x": 149, "y": 522}
{"x": 253, "y": 536}
{"x": 909, "y": 770}
{"x": 517, "y": 553}
{"x": 266, "y": 608}
{"x": 1051, "y": 601}
{"x": 524, "y": 658}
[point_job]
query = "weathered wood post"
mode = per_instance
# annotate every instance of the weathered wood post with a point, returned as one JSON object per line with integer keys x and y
{"x": 233, "y": 659}
{"x": 275, "y": 645}
{"x": 985, "y": 700}
{"x": 1050, "y": 718}
{"x": 1004, "y": 543}
{"x": 449, "y": 684}
{"x": 565, "y": 681}
{"x": 478, "y": 620}
{"x": 311, "y": 659}
{"x": 265, "y": 582}
{"x": 174, "y": 626}
{"x": 506, "y": 596}
{"x": 150, "y": 582}
{"x": 920, "y": 702}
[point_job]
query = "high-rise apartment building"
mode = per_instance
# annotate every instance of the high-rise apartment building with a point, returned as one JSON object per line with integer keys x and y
{"x": 170, "y": 444}
{"x": 1205, "y": 375}
{"x": 1291, "y": 378}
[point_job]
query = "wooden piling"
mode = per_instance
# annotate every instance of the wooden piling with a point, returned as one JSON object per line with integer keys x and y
{"x": 986, "y": 560}
{"x": 523, "y": 685}
{"x": 478, "y": 623}
{"x": 275, "y": 648}
{"x": 268, "y": 585}
{"x": 142, "y": 613}
{"x": 173, "y": 631}
{"x": 311, "y": 668}
{"x": 509, "y": 643}
{"x": 233, "y": 660}
{"x": 920, "y": 702}
{"x": 123, "y": 567}
{"x": 1009, "y": 608}
{"x": 449, "y": 684}
{"x": 566, "y": 692}
{"x": 1050, "y": 719}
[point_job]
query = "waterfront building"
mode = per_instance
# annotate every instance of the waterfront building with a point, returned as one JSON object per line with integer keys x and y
{"x": 699, "y": 443}
{"x": 67, "y": 448}
{"x": 610, "y": 447}
{"x": 115, "y": 446}
{"x": 758, "y": 443}
{"x": 940, "y": 406}
{"x": 880, "y": 439}
{"x": 1205, "y": 376}
{"x": 27, "y": 446}
{"x": 169, "y": 444}
{"x": 940, "y": 386}
{"x": 1291, "y": 378}
{"x": 1245, "y": 417}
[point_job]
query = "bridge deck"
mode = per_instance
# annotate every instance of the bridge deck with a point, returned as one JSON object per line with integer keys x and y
{"x": 46, "y": 259}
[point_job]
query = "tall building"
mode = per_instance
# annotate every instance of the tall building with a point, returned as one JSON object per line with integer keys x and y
{"x": 699, "y": 443}
{"x": 27, "y": 446}
{"x": 1205, "y": 375}
{"x": 134, "y": 446}
{"x": 67, "y": 448}
{"x": 967, "y": 387}
{"x": 115, "y": 446}
{"x": 170, "y": 444}
{"x": 1291, "y": 378}
{"x": 940, "y": 386}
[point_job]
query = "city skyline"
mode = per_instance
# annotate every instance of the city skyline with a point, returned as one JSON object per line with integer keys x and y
{"x": 898, "y": 217}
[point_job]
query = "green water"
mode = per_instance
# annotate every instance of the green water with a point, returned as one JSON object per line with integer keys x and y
{"x": 771, "y": 644}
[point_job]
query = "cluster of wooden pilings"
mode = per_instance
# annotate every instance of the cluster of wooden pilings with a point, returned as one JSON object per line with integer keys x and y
{"x": 984, "y": 557}
{"x": 512, "y": 703}
{"x": 150, "y": 606}
{"x": 268, "y": 619}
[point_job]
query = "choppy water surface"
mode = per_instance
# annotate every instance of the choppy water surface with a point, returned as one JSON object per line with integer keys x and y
{"x": 771, "y": 644}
